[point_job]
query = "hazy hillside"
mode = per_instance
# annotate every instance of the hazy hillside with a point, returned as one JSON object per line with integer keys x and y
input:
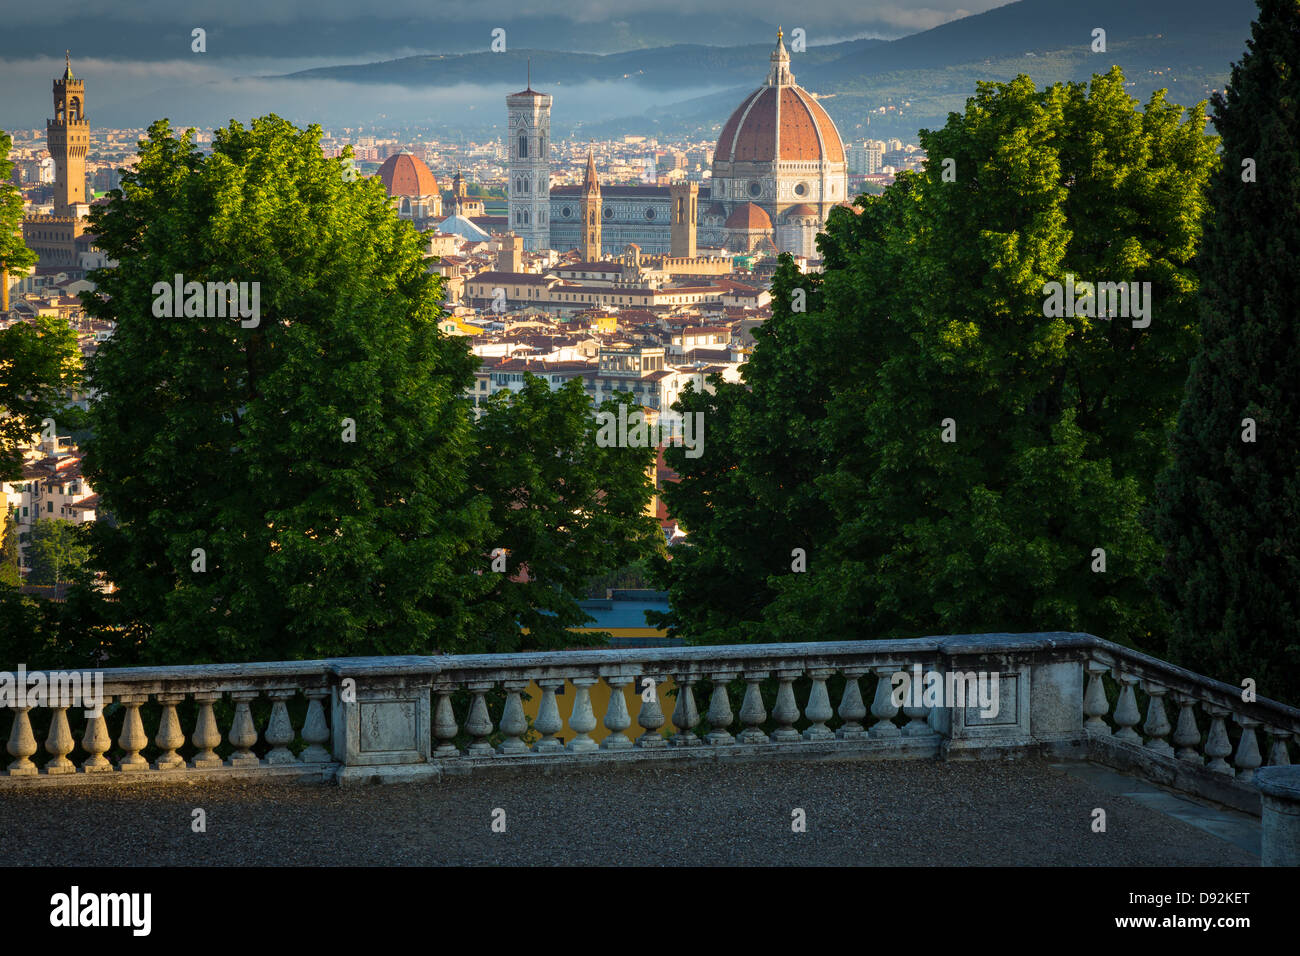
{"x": 678, "y": 66}
{"x": 1185, "y": 27}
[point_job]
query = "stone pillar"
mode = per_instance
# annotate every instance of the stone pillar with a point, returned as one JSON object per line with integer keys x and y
{"x": 1280, "y": 831}
{"x": 720, "y": 716}
{"x": 617, "y": 719}
{"x": 381, "y": 726}
{"x": 582, "y": 719}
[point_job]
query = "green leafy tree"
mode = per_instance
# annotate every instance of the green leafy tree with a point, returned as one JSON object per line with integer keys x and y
{"x": 929, "y": 322}
{"x": 1228, "y": 510}
{"x": 39, "y": 364}
{"x": 14, "y": 254}
{"x": 563, "y": 509}
{"x": 56, "y": 549}
{"x": 10, "y": 572}
{"x": 82, "y": 630}
{"x": 39, "y": 361}
{"x": 295, "y": 486}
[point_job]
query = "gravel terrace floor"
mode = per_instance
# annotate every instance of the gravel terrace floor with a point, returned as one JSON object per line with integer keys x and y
{"x": 882, "y": 813}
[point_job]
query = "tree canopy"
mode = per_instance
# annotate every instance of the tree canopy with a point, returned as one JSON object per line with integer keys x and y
{"x": 1228, "y": 510}
{"x": 920, "y": 444}
{"x": 305, "y": 478}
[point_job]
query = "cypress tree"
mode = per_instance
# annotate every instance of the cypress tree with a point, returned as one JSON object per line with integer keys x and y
{"x": 1228, "y": 508}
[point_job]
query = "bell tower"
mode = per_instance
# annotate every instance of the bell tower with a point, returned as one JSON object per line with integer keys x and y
{"x": 685, "y": 219}
{"x": 591, "y": 212}
{"x": 68, "y": 136}
{"x": 528, "y": 195}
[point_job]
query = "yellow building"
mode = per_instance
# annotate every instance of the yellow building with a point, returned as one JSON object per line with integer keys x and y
{"x": 621, "y": 615}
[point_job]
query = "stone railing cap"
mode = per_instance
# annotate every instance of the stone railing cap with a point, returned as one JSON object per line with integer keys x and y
{"x": 1281, "y": 782}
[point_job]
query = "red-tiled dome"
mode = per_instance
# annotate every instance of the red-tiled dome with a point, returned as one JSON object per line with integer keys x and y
{"x": 406, "y": 175}
{"x": 805, "y": 134}
{"x": 803, "y": 209}
{"x": 779, "y": 121}
{"x": 749, "y": 216}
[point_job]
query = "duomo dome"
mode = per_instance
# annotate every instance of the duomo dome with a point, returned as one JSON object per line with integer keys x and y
{"x": 781, "y": 152}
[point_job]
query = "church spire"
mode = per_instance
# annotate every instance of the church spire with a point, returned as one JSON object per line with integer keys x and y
{"x": 591, "y": 182}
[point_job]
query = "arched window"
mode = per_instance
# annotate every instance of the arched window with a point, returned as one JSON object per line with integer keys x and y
{"x": 523, "y": 147}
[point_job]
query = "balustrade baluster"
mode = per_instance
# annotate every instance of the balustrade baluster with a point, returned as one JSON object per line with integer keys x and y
{"x": 582, "y": 719}
{"x": 1217, "y": 745}
{"x": 315, "y": 732}
{"x": 206, "y": 734}
{"x": 1187, "y": 736}
{"x": 752, "y": 713}
{"x": 914, "y": 709}
{"x": 720, "y": 716}
{"x": 169, "y": 738}
{"x": 852, "y": 709}
{"x": 95, "y": 741}
{"x": 1126, "y": 709}
{"x": 1095, "y": 704}
{"x": 786, "y": 710}
{"x": 1277, "y": 753}
{"x": 685, "y": 715}
{"x": 548, "y": 722}
{"x": 819, "y": 706}
{"x": 133, "y": 738}
{"x": 1157, "y": 725}
{"x": 513, "y": 722}
{"x": 616, "y": 716}
{"x": 58, "y": 744}
{"x": 1247, "y": 757}
{"x": 243, "y": 732}
{"x": 279, "y": 730}
{"x": 650, "y": 717}
{"x": 883, "y": 707}
{"x": 22, "y": 744}
{"x": 479, "y": 724}
{"x": 444, "y": 721}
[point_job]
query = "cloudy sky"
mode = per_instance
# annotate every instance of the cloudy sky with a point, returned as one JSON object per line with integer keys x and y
{"x": 138, "y": 55}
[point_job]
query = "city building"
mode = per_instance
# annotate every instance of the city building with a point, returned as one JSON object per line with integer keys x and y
{"x": 528, "y": 189}
{"x": 779, "y": 168}
{"x": 59, "y": 238}
{"x": 412, "y": 188}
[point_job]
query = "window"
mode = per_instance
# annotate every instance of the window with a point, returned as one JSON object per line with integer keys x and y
{"x": 49, "y": 507}
{"x": 523, "y": 147}
{"x": 755, "y": 188}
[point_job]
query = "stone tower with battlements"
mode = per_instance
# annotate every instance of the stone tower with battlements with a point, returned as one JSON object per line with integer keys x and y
{"x": 68, "y": 135}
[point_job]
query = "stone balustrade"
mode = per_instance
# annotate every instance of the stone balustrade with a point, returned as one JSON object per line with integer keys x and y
{"x": 383, "y": 719}
{"x": 198, "y": 693}
{"x": 1196, "y": 734}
